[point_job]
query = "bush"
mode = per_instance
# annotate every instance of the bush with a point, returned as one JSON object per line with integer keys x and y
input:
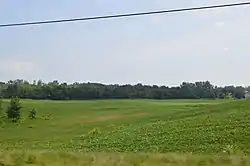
{"x": 14, "y": 109}
{"x": 32, "y": 114}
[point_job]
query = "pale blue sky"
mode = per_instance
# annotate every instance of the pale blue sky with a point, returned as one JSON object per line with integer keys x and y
{"x": 162, "y": 49}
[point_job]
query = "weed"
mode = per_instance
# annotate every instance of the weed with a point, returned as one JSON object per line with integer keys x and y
{"x": 48, "y": 116}
{"x": 31, "y": 159}
{"x": 94, "y": 132}
{"x": 32, "y": 113}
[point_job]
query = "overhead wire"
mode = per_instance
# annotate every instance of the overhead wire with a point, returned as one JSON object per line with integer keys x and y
{"x": 124, "y": 15}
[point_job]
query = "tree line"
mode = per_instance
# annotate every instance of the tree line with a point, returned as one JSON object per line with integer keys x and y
{"x": 84, "y": 91}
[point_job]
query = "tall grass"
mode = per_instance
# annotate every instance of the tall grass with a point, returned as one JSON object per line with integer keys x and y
{"x": 115, "y": 159}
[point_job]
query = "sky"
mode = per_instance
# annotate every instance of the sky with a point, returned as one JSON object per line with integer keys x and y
{"x": 164, "y": 49}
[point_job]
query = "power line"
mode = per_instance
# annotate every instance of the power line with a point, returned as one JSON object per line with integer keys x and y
{"x": 124, "y": 15}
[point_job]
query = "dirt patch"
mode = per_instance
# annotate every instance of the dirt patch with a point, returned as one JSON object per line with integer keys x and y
{"x": 110, "y": 117}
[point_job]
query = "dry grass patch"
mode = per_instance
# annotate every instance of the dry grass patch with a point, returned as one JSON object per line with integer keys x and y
{"x": 112, "y": 159}
{"x": 104, "y": 118}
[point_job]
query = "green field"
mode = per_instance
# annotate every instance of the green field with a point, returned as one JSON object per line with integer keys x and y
{"x": 146, "y": 126}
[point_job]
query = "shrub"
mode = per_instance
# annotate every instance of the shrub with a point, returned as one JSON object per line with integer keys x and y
{"x": 14, "y": 109}
{"x": 32, "y": 113}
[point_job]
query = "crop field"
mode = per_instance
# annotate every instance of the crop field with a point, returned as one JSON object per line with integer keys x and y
{"x": 198, "y": 127}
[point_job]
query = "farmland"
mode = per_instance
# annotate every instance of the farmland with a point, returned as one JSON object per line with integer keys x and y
{"x": 200, "y": 127}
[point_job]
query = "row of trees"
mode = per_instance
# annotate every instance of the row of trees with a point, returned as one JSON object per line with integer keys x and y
{"x": 80, "y": 91}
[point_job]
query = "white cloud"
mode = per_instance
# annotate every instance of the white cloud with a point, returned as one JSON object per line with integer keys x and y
{"x": 156, "y": 20}
{"x": 217, "y": 51}
{"x": 164, "y": 49}
{"x": 220, "y": 24}
{"x": 210, "y": 43}
{"x": 225, "y": 49}
{"x": 18, "y": 68}
{"x": 205, "y": 41}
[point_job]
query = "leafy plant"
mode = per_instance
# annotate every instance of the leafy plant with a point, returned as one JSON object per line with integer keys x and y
{"x": 22, "y": 120}
{"x": 31, "y": 159}
{"x": 229, "y": 149}
{"x": 94, "y": 132}
{"x": 48, "y": 116}
{"x": 14, "y": 109}
{"x": 32, "y": 113}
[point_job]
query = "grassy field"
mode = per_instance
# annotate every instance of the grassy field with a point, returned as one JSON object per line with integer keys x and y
{"x": 200, "y": 127}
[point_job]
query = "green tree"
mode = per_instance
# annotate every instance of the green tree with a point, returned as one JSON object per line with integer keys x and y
{"x": 85, "y": 91}
{"x": 14, "y": 109}
{"x": 228, "y": 96}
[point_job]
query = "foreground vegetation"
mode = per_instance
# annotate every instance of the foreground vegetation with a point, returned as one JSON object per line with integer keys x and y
{"x": 111, "y": 159}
